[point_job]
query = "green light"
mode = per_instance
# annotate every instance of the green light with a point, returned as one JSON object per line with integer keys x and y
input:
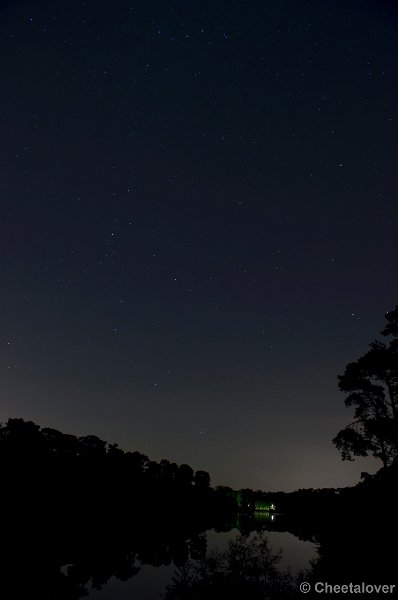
{"x": 264, "y": 506}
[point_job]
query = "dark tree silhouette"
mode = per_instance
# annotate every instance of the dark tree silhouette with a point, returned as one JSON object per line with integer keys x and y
{"x": 85, "y": 505}
{"x": 248, "y": 569}
{"x": 372, "y": 385}
{"x": 202, "y": 480}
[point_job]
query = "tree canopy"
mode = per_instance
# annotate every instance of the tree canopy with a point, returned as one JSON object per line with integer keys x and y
{"x": 372, "y": 386}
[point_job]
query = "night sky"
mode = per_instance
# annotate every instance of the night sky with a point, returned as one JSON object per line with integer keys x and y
{"x": 198, "y": 224}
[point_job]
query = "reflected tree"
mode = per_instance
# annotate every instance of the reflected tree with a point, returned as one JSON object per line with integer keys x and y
{"x": 248, "y": 569}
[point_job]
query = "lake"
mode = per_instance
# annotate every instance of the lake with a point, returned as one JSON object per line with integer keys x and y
{"x": 151, "y": 581}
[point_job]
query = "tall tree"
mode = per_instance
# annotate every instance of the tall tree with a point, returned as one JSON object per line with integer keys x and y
{"x": 372, "y": 385}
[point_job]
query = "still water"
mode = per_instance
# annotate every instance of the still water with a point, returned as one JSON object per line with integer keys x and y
{"x": 150, "y": 583}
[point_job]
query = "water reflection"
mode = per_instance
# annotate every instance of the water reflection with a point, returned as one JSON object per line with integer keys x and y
{"x": 247, "y": 569}
{"x": 153, "y": 560}
{"x": 250, "y": 559}
{"x": 254, "y": 563}
{"x": 79, "y": 513}
{"x": 139, "y": 561}
{"x": 264, "y": 515}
